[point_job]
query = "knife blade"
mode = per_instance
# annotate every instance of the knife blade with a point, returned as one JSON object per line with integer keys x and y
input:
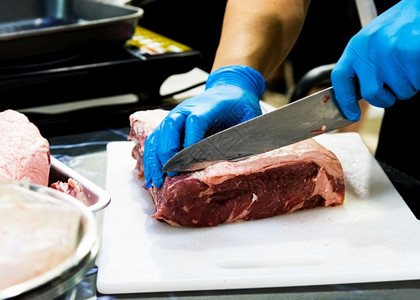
{"x": 302, "y": 119}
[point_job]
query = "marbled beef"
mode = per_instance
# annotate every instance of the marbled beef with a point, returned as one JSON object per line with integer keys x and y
{"x": 298, "y": 176}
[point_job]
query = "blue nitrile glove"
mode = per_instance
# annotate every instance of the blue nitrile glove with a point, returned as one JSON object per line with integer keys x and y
{"x": 232, "y": 96}
{"x": 384, "y": 56}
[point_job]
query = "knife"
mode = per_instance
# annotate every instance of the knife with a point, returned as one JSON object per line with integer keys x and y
{"x": 294, "y": 122}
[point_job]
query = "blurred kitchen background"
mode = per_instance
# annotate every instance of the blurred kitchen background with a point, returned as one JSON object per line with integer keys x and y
{"x": 87, "y": 93}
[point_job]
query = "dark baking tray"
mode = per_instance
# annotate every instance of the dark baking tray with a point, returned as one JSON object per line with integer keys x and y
{"x": 41, "y": 28}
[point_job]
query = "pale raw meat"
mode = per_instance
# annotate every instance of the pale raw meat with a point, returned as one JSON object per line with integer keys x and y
{"x": 298, "y": 176}
{"x": 37, "y": 234}
{"x": 24, "y": 154}
{"x": 142, "y": 124}
{"x": 72, "y": 188}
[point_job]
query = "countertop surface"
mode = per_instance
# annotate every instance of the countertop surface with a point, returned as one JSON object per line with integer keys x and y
{"x": 86, "y": 154}
{"x": 84, "y": 150}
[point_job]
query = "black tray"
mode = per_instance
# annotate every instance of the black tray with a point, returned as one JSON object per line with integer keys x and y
{"x": 30, "y": 28}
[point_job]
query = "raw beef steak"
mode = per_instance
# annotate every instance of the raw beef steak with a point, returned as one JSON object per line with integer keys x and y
{"x": 299, "y": 176}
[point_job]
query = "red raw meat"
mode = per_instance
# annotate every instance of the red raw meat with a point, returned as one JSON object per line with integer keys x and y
{"x": 298, "y": 176}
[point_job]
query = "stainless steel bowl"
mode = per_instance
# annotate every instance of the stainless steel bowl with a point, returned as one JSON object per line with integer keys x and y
{"x": 61, "y": 279}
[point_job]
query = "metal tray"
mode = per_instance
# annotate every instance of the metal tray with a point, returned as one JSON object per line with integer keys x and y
{"x": 30, "y": 28}
{"x": 98, "y": 198}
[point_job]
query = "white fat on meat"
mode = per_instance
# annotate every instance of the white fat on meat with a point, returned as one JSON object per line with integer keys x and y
{"x": 143, "y": 122}
{"x": 299, "y": 152}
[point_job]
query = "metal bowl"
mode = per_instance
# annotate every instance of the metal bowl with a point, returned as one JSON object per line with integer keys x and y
{"x": 60, "y": 280}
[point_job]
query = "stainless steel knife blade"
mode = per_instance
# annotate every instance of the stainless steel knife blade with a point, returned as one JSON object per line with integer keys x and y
{"x": 294, "y": 122}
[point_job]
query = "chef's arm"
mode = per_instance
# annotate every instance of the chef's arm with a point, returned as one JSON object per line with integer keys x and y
{"x": 259, "y": 33}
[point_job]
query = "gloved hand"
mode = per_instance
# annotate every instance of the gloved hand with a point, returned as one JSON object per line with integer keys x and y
{"x": 231, "y": 96}
{"x": 384, "y": 56}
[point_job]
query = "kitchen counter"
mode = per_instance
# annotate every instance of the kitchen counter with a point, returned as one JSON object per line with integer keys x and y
{"x": 85, "y": 153}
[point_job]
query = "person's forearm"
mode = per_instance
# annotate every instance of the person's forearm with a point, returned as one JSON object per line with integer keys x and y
{"x": 259, "y": 33}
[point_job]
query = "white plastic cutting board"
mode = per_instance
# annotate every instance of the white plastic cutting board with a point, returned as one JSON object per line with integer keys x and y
{"x": 372, "y": 237}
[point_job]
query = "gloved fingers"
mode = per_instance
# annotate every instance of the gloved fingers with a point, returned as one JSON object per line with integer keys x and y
{"x": 195, "y": 129}
{"x": 152, "y": 166}
{"x": 213, "y": 105}
{"x": 171, "y": 132}
{"x": 343, "y": 79}
{"x": 162, "y": 144}
{"x": 406, "y": 53}
{"x": 412, "y": 71}
{"x": 250, "y": 113}
{"x": 235, "y": 106}
{"x": 374, "y": 90}
{"x": 396, "y": 80}
{"x": 400, "y": 86}
{"x": 414, "y": 78}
